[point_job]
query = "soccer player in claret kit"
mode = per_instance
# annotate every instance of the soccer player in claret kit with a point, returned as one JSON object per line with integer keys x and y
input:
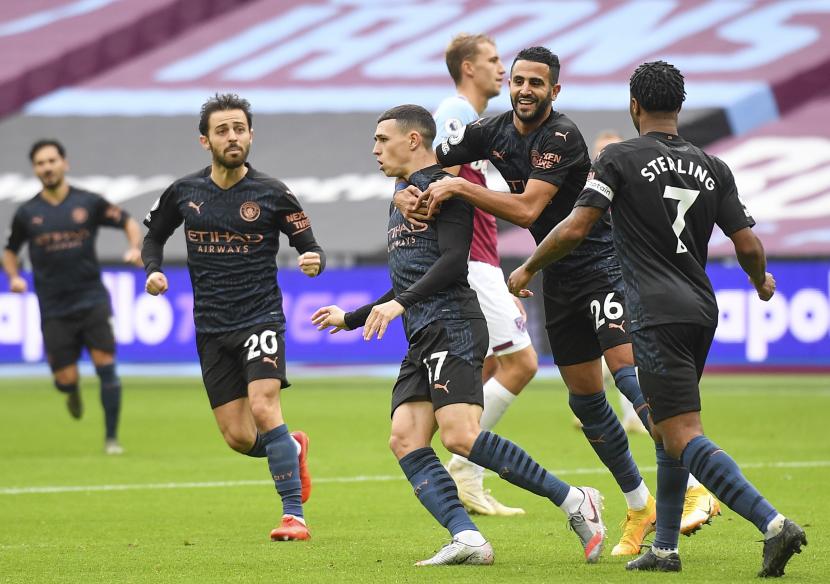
{"x": 544, "y": 160}
{"x": 233, "y": 216}
{"x": 440, "y": 378}
{"x": 666, "y": 196}
{"x": 61, "y": 225}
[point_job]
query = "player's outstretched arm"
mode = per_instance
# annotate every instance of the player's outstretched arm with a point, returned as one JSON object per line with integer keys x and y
{"x": 133, "y": 233}
{"x": 561, "y": 241}
{"x": 11, "y": 267}
{"x": 329, "y": 316}
{"x": 753, "y": 260}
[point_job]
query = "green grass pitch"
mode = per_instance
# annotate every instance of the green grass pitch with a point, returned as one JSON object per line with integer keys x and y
{"x": 179, "y": 506}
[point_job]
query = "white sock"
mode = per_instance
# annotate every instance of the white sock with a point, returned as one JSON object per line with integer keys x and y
{"x": 662, "y": 552}
{"x": 627, "y": 408}
{"x": 497, "y": 398}
{"x": 692, "y": 482}
{"x": 774, "y": 527}
{"x": 572, "y": 501}
{"x": 297, "y": 445}
{"x": 470, "y": 537}
{"x": 638, "y": 498}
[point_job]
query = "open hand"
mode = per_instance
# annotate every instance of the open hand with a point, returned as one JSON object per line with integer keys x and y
{"x": 329, "y": 316}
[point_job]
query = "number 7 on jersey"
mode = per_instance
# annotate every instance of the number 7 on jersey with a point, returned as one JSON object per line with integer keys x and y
{"x": 685, "y": 199}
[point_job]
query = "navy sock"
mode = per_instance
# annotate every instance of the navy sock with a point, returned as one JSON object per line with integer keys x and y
{"x": 603, "y": 430}
{"x": 110, "y": 397}
{"x": 285, "y": 468}
{"x": 720, "y": 474}
{"x": 671, "y": 493}
{"x": 626, "y": 380}
{"x": 258, "y": 449}
{"x": 516, "y": 466}
{"x": 66, "y": 387}
{"x": 435, "y": 489}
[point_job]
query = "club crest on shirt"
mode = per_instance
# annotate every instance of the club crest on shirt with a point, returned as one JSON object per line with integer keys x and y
{"x": 37, "y": 220}
{"x": 79, "y": 215}
{"x": 249, "y": 211}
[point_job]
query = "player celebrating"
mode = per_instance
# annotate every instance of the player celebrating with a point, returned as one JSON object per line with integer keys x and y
{"x": 233, "y": 215}
{"x": 61, "y": 225}
{"x": 511, "y": 361}
{"x": 440, "y": 378}
{"x": 666, "y": 196}
{"x": 543, "y": 158}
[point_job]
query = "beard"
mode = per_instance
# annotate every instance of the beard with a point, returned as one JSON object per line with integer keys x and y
{"x": 223, "y": 159}
{"x": 51, "y": 181}
{"x": 535, "y": 114}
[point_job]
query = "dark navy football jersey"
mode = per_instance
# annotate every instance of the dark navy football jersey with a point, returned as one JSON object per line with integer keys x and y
{"x": 555, "y": 153}
{"x": 232, "y": 239}
{"x": 666, "y": 195}
{"x": 428, "y": 291}
{"x": 62, "y": 249}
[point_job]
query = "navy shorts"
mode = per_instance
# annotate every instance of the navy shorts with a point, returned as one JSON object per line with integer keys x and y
{"x": 232, "y": 360}
{"x": 65, "y": 336}
{"x": 584, "y": 318}
{"x": 670, "y": 360}
{"x": 443, "y": 364}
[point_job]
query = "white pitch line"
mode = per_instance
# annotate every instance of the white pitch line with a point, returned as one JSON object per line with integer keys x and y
{"x": 356, "y": 479}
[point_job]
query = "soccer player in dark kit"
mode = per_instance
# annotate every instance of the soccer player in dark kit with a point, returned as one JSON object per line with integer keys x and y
{"x": 440, "y": 379}
{"x": 233, "y": 216}
{"x": 544, "y": 160}
{"x": 61, "y": 225}
{"x": 666, "y": 196}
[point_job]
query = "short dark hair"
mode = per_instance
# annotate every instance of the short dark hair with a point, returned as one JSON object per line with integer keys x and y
{"x": 40, "y": 144}
{"x": 658, "y": 87}
{"x": 540, "y": 55}
{"x": 463, "y": 47}
{"x": 412, "y": 117}
{"x": 223, "y": 102}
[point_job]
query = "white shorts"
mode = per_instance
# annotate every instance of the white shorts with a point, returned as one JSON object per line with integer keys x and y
{"x": 507, "y": 328}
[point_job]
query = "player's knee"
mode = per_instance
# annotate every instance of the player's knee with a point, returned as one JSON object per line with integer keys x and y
{"x": 527, "y": 364}
{"x": 459, "y": 440}
{"x": 400, "y": 444}
{"x": 238, "y": 441}
{"x": 263, "y": 410}
{"x": 66, "y": 378}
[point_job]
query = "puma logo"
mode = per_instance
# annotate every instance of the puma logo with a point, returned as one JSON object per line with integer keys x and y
{"x": 442, "y": 387}
{"x": 617, "y": 326}
{"x": 421, "y": 486}
{"x": 600, "y": 440}
{"x": 503, "y": 472}
{"x": 198, "y": 207}
{"x": 564, "y": 136}
{"x": 270, "y": 360}
{"x": 497, "y": 154}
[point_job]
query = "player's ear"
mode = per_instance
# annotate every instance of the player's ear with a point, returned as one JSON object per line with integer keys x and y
{"x": 415, "y": 140}
{"x": 554, "y": 91}
{"x": 204, "y": 142}
{"x": 252, "y": 134}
